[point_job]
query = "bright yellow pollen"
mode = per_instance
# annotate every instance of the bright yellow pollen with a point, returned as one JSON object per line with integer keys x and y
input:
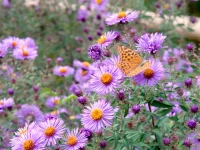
{"x": 50, "y": 131}
{"x": 71, "y": 140}
{"x": 121, "y": 14}
{"x": 22, "y": 132}
{"x": 72, "y": 117}
{"x": 98, "y": 2}
{"x": 28, "y": 145}
{"x": 148, "y": 73}
{"x": 102, "y": 39}
{"x": 63, "y": 70}
{"x": 84, "y": 72}
{"x": 106, "y": 78}
{"x": 96, "y": 114}
{"x": 56, "y": 101}
{"x": 86, "y": 64}
{"x": 14, "y": 44}
{"x": 54, "y": 112}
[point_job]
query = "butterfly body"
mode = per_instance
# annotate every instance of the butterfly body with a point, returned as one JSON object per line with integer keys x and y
{"x": 130, "y": 62}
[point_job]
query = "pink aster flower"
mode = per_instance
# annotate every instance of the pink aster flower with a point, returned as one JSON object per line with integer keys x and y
{"x": 106, "y": 39}
{"x": 121, "y": 17}
{"x": 12, "y": 42}
{"x": 28, "y": 127}
{"x": 84, "y": 65}
{"x": 74, "y": 140}
{"x": 52, "y": 130}
{"x": 25, "y": 53}
{"x": 3, "y": 49}
{"x": 97, "y": 116}
{"x": 32, "y": 140}
{"x": 52, "y": 102}
{"x": 105, "y": 79}
{"x": 63, "y": 70}
{"x": 198, "y": 80}
{"x": 151, "y": 75}
{"x": 82, "y": 75}
{"x": 28, "y": 42}
{"x": 99, "y": 5}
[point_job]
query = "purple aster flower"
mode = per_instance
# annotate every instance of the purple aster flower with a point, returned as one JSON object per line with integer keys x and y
{"x": 99, "y": 5}
{"x": 195, "y": 140}
{"x": 12, "y": 42}
{"x": 74, "y": 140}
{"x": 28, "y": 42}
{"x": 7, "y": 3}
{"x": 82, "y": 15}
{"x": 3, "y": 49}
{"x": 150, "y": 43}
{"x": 192, "y": 123}
{"x": 106, "y": 39}
{"x": 27, "y": 128}
{"x": 29, "y": 113}
{"x": 84, "y": 65}
{"x": 9, "y": 103}
{"x": 176, "y": 109}
{"x": 52, "y": 130}
{"x": 82, "y": 75}
{"x": 152, "y": 75}
{"x": 32, "y": 140}
{"x": 95, "y": 52}
{"x": 87, "y": 132}
{"x": 98, "y": 116}
{"x": 63, "y": 70}
{"x": 198, "y": 80}
{"x": 105, "y": 79}
{"x": 121, "y": 17}
{"x": 52, "y": 102}
{"x": 25, "y": 53}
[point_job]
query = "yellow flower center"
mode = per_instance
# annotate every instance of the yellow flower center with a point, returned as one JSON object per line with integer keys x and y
{"x": 96, "y": 114}
{"x": 54, "y": 112}
{"x": 56, "y": 101}
{"x": 98, "y": 2}
{"x": 28, "y": 145}
{"x": 84, "y": 72}
{"x": 106, "y": 78}
{"x": 72, "y": 117}
{"x": 71, "y": 140}
{"x": 22, "y": 132}
{"x": 14, "y": 43}
{"x": 166, "y": 6}
{"x": 121, "y": 14}
{"x": 86, "y": 64}
{"x": 50, "y": 131}
{"x": 102, "y": 39}
{"x": 148, "y": 73}
{"x": 63, "y": 70}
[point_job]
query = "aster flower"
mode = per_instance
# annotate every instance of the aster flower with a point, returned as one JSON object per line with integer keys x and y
{"x": 176, "y": 109}
{"x": 99, "y": 5}
{"x": 31, "y": 140}
{"x": 29, "y": 113}
{"x": 151, "y": 75}
{"x": 28, "y": 42}
{"x": 106, "y": 39}
{"x": 63, "y": 70}
{"x": 121, "y": 17}
{"x": 82, "y": 15}
{"x": 195, "y": 140}
{"x": 98, "y": 116}
{"x": 28, "y": 127}
{"x": 105, "y": 79}
{"x": 3, "y": 49}
{"x": 150, "y": 43}
{"x": 52, "y": 130}
{"x": 25, "y": 53}
{"x": 84, "y": 65}
{"x": 52, "y": 102}
{"x": 82, "y": 75}
{"x": 95, "y": 52}
{"x": 74, "y": 140}
{"x": 198, "y": 80}
{"x": 9, "y": 103}
{"x": 12, "y": 42}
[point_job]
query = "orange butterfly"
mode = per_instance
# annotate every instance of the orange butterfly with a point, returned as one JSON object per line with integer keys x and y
{"x": 130, "y": 62}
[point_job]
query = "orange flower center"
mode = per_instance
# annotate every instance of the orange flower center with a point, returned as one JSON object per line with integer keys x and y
{"x": 71, "y": 140}
{"x": 63, "y": 70}
{"x": 121, "y": 14}
{"x": 106, "y": 78}
{"x": 98, "y": 2}
{"x": 96, "y": 114}
{"x": 28, "y": 145}
{"x": 56, "y": 101}
{"x": 14, "y": 43}
{"x": 50, "y": 131}
{"x": 148, "y": 73}
{"x": 24, "y": 52}
{"x": 86, "y": 64}
{"x": 84, "y": 72}
{"x": 102, "y": 39}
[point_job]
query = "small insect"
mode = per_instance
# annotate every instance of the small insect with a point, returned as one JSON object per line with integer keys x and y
{"x": 130, "y": 62}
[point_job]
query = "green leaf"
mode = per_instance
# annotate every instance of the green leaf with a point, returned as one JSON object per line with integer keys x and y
{"x": 160, "y": 104}
{"x": 163, "y": 112}
{"x": 126, "y": 110}
{"x": 183, "y": 107}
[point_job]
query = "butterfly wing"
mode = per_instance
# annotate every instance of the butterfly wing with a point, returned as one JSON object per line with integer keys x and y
{"x": 125, "y": 67}
{"x": 139, "y": 69}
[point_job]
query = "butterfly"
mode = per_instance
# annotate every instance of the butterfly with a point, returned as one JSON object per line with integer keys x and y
{"x": 130, "y": 62}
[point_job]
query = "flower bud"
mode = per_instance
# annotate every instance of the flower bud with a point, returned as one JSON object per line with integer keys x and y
{"x": 192, "y": 123}
{"x": 166, "y": 141}
{"x": 103, "y": 144}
